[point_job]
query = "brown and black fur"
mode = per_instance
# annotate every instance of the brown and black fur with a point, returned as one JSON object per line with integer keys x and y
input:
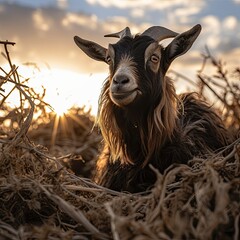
{"x": 158, "y": 127}
{"x": 198, "y": 131}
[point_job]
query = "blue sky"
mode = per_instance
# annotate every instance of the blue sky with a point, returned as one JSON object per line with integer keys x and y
{"x": 221, "y": 8}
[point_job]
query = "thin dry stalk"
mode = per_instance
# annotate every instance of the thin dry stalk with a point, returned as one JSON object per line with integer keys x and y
{"x": 222, "y": 85}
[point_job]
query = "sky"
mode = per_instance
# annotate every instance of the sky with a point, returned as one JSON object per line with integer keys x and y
{"x": 43, "y": 31}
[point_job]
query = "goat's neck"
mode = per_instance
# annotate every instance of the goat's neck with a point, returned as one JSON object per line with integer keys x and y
{"x": 130, "y": 134}
{"x": 144, "y": 136}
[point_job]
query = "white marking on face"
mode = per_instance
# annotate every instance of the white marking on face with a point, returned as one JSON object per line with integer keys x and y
{"x": 127, "y": 68}
{"x": 125, "y": 93}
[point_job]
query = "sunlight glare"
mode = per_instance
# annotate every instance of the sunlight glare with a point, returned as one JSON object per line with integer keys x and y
{"x": 60, "y": 107}
{"x": 65, "y": 89}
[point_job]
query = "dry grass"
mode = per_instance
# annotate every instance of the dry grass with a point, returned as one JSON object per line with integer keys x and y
{"x": 41, "y": 199}
{"x": 72, "y": 138}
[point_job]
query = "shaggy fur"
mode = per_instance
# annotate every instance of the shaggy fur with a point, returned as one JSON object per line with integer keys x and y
{"x": 141, "y": 118}
{"x": 192, "y": 129}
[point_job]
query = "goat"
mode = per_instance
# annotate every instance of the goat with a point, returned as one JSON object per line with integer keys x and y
{"x": 142, "y": 119}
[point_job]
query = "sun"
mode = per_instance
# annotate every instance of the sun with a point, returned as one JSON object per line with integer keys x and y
{"x": 60, "y": 104}
{"x": 66, "y": 88}
{"x": 60, "y": 110}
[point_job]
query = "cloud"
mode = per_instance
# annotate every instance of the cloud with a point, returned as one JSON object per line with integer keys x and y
{"x": 137, "y": 13}
{"x": 62, "y": 4}
{"x": 151, "y": 4}
{"x": 80, "y": 19}
{"x": 236, "y": 1}
{"x": 115, "y": 24}
{"x": 119, "y": 4}
{"x": 152, "y": 12}
{"x": 41, "y": 22}
{"x": 230, "y": 38}
{"x": 46, "y": 36}
{"x": 184, "y": 14}
{"x": 221, "y": 35}
{"x": 230, "y": 23}
{"x": 232, "y": 57}
{"x": 211, "y": 31}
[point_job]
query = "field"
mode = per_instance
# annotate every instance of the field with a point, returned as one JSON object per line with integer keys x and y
{"x": 46, "y": 162}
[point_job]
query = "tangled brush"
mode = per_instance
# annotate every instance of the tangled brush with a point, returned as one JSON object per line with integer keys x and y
{"x": 41, "y": 199}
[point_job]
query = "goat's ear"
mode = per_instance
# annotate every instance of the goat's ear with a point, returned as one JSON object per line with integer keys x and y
{"x": 182, "y": 43}
{"x": 92, "y": 49}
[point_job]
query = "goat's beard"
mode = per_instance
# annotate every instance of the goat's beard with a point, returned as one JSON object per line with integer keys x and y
{"x": 153, "y": 132}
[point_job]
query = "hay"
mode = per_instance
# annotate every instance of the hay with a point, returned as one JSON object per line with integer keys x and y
{"x": 200, "y": 201}
{"x": 41, "y": 199}
{"x": 76, "y": 141}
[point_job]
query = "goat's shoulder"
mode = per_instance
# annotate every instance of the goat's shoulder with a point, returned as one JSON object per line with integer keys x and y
{"x": 198, "y": 121}
{"x": 193, "y": 109}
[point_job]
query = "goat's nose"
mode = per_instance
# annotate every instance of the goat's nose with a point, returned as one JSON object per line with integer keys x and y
{"x": 120, "y": 80}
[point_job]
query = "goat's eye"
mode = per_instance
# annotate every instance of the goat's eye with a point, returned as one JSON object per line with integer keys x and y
{"x": 108, "y": 59}
{"x": 154, "y": 58}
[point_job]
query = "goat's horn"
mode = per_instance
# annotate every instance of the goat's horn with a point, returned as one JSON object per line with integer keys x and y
{"x": 124, "y": 33}
{"x": 159, "y": 33}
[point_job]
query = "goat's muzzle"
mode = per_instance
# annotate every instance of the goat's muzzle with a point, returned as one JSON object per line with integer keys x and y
{"x": 123, "y": 90}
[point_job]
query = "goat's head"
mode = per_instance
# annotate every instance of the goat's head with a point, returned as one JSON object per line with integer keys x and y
{"x": 138, "y": 64}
